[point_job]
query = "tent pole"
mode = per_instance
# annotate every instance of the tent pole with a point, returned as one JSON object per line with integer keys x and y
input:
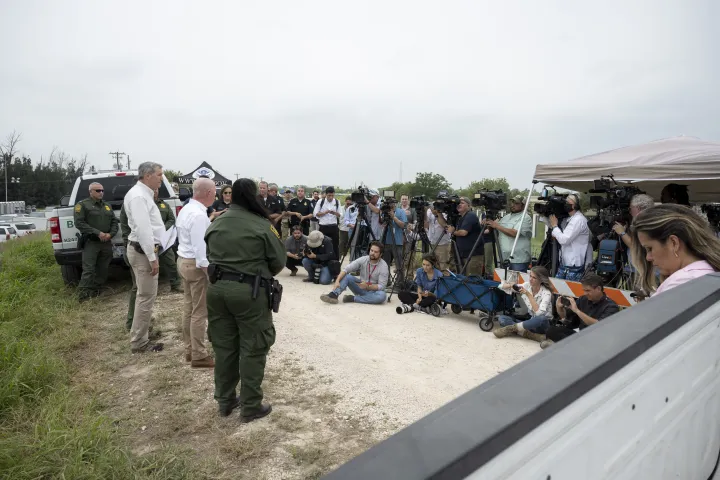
{"x": 522, "y": 219}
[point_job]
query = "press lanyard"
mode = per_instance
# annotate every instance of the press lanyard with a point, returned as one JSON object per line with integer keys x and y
{"x": 371, "y": 272}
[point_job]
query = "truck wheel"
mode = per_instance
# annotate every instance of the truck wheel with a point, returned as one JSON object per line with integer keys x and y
{"x": 71, "y": 274}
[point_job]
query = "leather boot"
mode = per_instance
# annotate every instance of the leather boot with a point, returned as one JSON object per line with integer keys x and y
{"x": 505, "y": 331}
{"x": 533, "y": 336}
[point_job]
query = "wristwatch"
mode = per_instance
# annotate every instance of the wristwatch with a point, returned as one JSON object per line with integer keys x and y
{"x": 623, "y": 234}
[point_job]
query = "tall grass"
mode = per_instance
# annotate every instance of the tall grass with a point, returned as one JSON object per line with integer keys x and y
{"x": 49, "y": 428}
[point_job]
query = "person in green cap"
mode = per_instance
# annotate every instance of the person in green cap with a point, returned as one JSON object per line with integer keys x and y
{"x": 97, "y": 224}
{"x": 244, "y": 253}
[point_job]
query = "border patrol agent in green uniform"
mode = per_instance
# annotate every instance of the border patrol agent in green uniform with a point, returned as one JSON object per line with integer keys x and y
{"x": 168, "y": 265}
{"x": 97, "y": 225}
{"x": 244, "y": 251}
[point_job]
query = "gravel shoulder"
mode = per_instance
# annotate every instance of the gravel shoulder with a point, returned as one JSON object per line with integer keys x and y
{"x": 340, "y": 377}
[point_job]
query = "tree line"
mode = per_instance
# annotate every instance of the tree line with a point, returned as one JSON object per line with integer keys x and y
{"x": 430, "y": 184}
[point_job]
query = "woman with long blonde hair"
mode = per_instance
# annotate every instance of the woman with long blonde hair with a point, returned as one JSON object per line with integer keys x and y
{"x": 677, "y": 242}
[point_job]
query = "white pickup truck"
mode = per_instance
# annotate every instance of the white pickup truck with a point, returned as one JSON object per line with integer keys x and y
{"x": 61, "y": 223}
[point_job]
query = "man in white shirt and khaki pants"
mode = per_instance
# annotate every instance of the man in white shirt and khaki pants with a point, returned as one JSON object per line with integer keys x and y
{"x": 192, "y": 222}
{"x": 146, "y": 230}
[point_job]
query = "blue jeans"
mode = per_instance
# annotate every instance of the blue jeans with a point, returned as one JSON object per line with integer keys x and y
{"x": 533, "y": 324}
{"x": 325, "y": 277}
{"x": 519, "y": 267}
{"x": 361, "y": 296}
{"x": 574, "y": 274}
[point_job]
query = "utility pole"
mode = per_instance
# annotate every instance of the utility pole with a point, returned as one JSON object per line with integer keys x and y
{"x": 128, "y": 159}
{"x": 117, "y": 159}
{"x": 237, "y": 175}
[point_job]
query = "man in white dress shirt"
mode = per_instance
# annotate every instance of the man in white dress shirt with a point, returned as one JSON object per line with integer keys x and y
{"x": 327, "y": 211}
{"x": 574, "y": 241}
{"x": 192, "y": 222}
{"x": 146, "y": 230}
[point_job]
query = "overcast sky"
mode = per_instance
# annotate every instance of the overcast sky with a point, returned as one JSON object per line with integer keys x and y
{"x": 337, "y": 92}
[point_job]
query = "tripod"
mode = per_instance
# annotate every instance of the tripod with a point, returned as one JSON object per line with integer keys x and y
{"x": 397, "y": 258}
{"x": 418, "y": 234}
{"x": 549, "y": 254}
{"x": 361, "y": 235}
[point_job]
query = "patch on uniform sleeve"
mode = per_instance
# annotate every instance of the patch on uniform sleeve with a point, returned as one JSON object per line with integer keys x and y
{"x": 162, "y": 205}
{"x": 78, "y": 207}
{"x": 107, "y": 207}
{"x": 272, "y": 229}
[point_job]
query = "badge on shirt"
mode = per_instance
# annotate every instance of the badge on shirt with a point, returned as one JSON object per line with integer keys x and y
{"x": 107, "y": 207}
{"x": 272, "y": 229}
{"x": 78, "y": 207}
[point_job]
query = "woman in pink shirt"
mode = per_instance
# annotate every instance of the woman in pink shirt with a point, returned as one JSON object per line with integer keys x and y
{"x": 677, "y": 242}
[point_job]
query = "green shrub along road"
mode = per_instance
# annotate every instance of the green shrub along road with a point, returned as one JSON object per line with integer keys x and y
{"x": 50, "y": 427}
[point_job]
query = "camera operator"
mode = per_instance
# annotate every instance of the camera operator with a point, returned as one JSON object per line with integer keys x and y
{"x": 327, "y": 211}
{"x": 410, "y": 213}
{"x": 675, "y": 193}
{"x": 395, "y": 237}
{"x": 319, "y": 254}
{"x": 300, "y": 211}
{"x": 587, "y": 310}
{"x": 507, "y": 228}
{"x": 295, "y": 246}
{"x": 637, "y": 204}
{"x": 439, "y": 238}
{"x": 574, "y": 240}
{"x": 466, "y": 233}
{"x": 374, "y": 213}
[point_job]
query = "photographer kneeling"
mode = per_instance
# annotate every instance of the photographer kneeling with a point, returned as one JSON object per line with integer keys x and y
{"x": 537, "y": 295}
{"x": 426, "y": 279}
{"x": 507, "y": 228}
{"x": 318, "y": 255}
{"x": 295, "y": 246}
{"x": 577, "y": 315}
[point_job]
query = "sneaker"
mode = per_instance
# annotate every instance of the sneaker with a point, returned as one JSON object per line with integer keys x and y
{"x": 148, "y": 348}
{"x": 293, "y": 273}
{"x": 505, "y": 331}
{"x": 347, "y": 298}
{"x": 331, "y": 297}
{"x": 545, "y": 344}
{"x": 206, "y": 362}
{"x": 264, "y": 411}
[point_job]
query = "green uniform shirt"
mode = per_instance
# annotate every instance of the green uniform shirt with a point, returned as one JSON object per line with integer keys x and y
{"x": 124, "y": 227}
{"x": 166, "y": 213}
{"x": 93, "y": 217}
{"x": 243, "y": 242}
{"x": 522, "y": 252}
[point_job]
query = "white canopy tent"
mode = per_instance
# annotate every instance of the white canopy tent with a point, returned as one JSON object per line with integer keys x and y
{"x": 683, "y": 160}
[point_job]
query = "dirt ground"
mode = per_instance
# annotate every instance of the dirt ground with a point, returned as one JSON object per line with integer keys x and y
{"x": 340, "y": 378}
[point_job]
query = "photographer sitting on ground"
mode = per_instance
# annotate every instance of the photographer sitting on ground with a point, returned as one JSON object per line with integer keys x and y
{"x": 319, "y": 256}
{"x": 574, "y": 240}
{"x": 426, "y": 279}
{"x": 295, "y": 246}
{"x": 507, "y": 228}
{"x": 370, "y": 287}
{"x": 676, "y": 241}
{"x": 577, "y": 315}
{"x": 537, "y": 295}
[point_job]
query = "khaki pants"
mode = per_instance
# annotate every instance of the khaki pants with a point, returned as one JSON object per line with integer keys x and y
{"x": 489, "y": 259}
{"x": 195, "y": 316}
{"x": 475, "y": 266}
{"x": 147, "y": 286}
{"x": 442, "y": 252}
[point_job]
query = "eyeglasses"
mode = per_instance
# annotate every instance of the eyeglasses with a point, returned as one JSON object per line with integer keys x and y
{"x": 99, "y": 191}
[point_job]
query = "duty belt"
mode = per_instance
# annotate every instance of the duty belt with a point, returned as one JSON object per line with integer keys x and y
{"x": 139, "y": 249}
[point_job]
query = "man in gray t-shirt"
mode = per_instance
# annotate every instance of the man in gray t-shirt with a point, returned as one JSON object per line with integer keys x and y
{"x": 295, "y": 247}
{"x": 370, "y": 286}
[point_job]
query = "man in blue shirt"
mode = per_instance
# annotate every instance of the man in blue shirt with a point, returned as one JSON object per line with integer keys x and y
{"x": 466, "y": 234}
{"x": 395, "y": 238}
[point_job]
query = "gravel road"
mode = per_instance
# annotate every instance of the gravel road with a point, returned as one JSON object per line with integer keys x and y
{"x": 390, "y": 367}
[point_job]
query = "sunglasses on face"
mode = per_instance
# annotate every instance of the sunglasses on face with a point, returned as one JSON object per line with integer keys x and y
{"x": 99, "y": 191}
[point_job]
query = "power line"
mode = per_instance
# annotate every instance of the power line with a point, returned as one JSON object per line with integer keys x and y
{"x": 117, "y": 159}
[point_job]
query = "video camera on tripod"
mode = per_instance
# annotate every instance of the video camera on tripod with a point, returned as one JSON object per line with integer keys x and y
{"x": 360, "y": 197}
{"x": 712, "y": 212}
{"x": 551, "y": 203}
{"x": 388, "y": 206}
{"x": 615, "y": 205}
{"x": 492, "y": 200}
{"x": 447, "y": 204}
{"x": 419, "y": 203}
